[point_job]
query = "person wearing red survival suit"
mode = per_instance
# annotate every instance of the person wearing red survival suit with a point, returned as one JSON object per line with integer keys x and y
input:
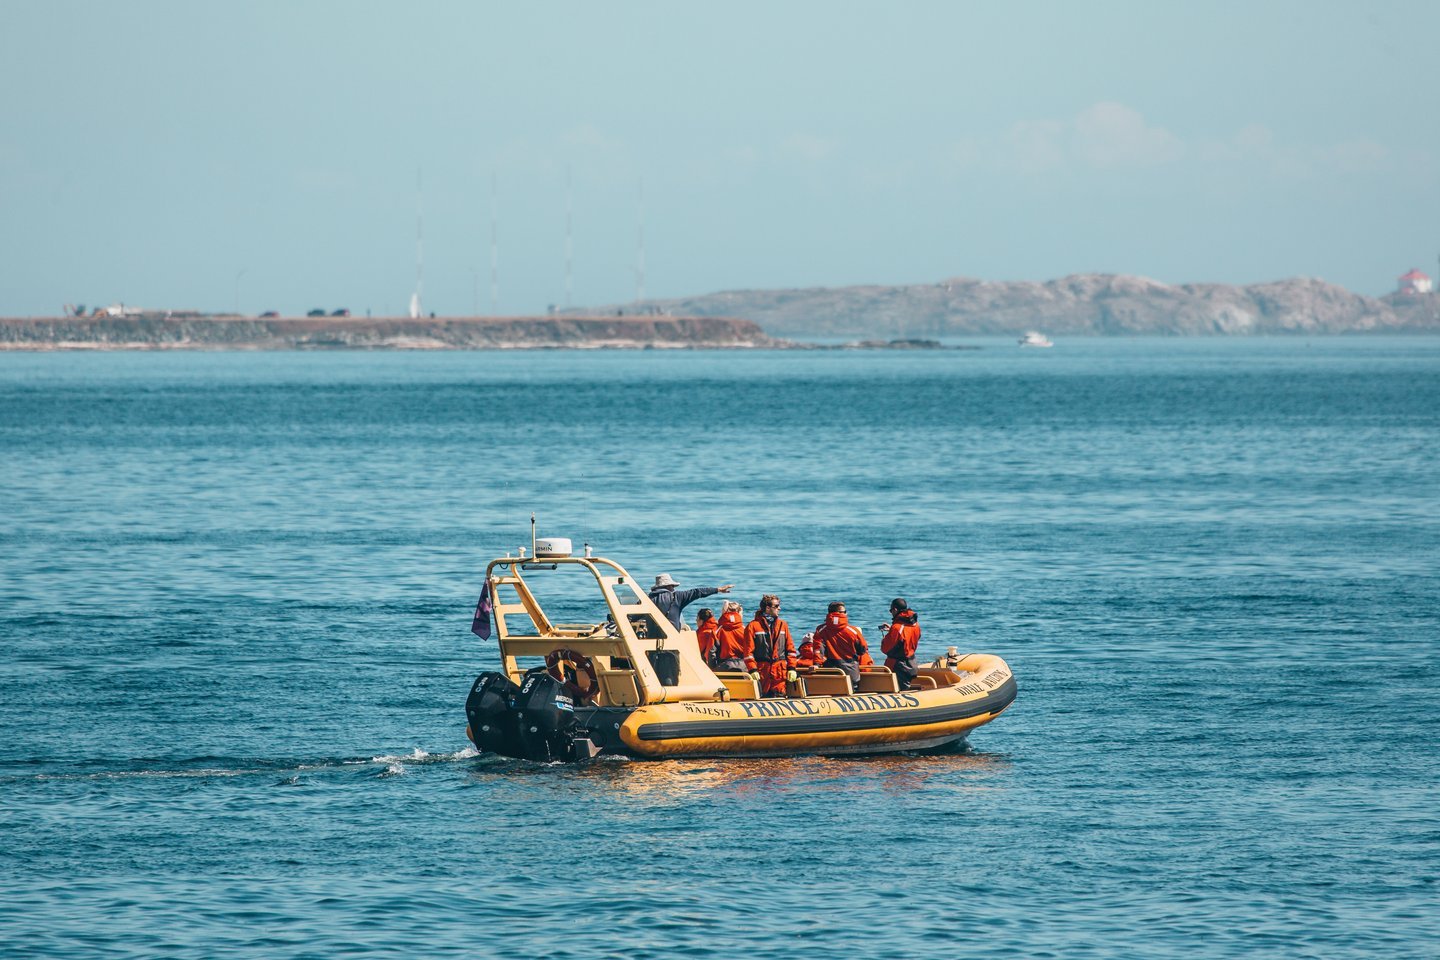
{"x": 705, "y": 626}
{"x": 771, "y": 646}
{"x": 844, "y": 643}
{"x": 732, "y": 646}
{"x": 901, "y": 642}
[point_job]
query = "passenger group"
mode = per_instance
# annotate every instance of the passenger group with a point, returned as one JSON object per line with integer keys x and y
{"x": 765, "y": 647}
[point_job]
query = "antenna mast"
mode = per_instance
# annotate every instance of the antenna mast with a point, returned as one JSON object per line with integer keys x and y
{"x": 494, "y": 251}
{"x": 569, "y": 243}
{"x": 640, "y": 248}
{"x": 416, "y": 301}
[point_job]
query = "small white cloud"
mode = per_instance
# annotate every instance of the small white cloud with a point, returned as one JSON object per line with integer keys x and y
{"x": 1257, "y": 148}
{"x": 1103, "y": 136}
{"x": 1111, "y": 135}
{"x": 807, "y": 148}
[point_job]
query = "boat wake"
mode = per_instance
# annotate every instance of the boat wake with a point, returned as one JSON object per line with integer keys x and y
{"x": 292, "y": 771}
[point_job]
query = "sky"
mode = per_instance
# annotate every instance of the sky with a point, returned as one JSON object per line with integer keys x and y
{"x": 284, "y": 155}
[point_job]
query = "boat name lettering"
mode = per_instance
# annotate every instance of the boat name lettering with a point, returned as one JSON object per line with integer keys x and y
{"x": 877, "y": 701}
{"x": 778, "y": 708}
{"x": 970, "y": 688}
{"x": 707, "y": 711}
{"x": 995, "y": 677}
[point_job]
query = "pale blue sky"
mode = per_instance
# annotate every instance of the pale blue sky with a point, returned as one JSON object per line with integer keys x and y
{"x": 151, "y": 152}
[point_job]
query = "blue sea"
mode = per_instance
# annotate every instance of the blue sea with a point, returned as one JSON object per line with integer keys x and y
{"x": 235, "y": 593}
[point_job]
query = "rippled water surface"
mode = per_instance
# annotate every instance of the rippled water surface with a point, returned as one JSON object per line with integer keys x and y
{"x": 235, "y": 591}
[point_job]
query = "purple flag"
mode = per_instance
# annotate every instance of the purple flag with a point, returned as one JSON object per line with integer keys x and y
{"x": 480, "y": 626}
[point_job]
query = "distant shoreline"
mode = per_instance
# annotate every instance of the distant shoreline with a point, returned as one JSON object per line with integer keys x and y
{"x": 194, "y": 331}
{"x": 159, "y": 331}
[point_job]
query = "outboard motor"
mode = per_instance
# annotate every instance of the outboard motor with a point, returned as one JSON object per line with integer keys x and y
{"x": 490, "y": 708}
{"x": 545, "y": 713}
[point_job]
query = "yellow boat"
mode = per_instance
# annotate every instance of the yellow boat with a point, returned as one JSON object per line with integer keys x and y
{"x": 632, "y": 683}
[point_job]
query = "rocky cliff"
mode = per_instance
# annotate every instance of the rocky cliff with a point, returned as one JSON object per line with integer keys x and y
{"x": 1081, "y": 304}
{"x": 159, "y": 332}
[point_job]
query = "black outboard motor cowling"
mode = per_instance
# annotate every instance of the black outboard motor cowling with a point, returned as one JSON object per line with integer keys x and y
{"x": 546, "y": 724}
{"x": 490, "y": 709}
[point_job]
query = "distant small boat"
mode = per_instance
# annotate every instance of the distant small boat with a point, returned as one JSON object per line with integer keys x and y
{"x": 1033, "y": 338}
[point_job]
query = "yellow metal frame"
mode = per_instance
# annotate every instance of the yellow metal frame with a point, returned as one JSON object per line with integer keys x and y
{"x": 599, "y": 642}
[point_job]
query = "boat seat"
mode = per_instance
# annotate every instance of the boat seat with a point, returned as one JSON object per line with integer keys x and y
{"x": 828, "y": 682}
{"x": 922, "y": 682}
{"x": 878, "y": 680}
{"x": 740, "y": 685}
{"x": 619, "y": 687}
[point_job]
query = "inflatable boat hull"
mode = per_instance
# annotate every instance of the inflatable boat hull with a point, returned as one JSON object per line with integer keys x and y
{"x": 537, "y": 721}
{"x": 860, "y": 723}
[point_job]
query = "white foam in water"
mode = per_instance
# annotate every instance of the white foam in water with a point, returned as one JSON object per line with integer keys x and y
{"x": 415, "y": 756}
{"x": 424, "y": 756}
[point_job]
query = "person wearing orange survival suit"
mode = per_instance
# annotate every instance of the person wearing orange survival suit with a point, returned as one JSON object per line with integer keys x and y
{"x": 771, "y": 646}
{"x": 812, "y": 653}
{"x": 844, "y": 643}
{"x": 901, "y": 642}
{"x": 732, "y": 646}
{"x": 705, "y": 626}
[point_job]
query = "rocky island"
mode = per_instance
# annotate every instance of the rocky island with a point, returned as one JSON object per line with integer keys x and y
{"x": 1083, "y": 304}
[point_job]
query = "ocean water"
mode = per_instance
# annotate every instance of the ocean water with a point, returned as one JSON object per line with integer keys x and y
{"x": 235, "y": 591}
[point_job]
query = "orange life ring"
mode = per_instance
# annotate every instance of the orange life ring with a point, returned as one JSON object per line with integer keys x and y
{"x": 579, "y": 663}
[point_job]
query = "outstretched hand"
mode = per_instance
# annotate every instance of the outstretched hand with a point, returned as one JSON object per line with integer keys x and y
{"x": 724, "y": 589}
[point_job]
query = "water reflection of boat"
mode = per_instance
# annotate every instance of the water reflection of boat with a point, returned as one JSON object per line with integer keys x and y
{"x": 633, "y": 684}
{"x": 961, "y": 771}
{"x": 1034, "y": 338}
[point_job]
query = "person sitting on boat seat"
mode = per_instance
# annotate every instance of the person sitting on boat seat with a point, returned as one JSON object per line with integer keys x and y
{"x": 844, "y": 643}
{"x": 771, "y": 646}
{"x": 901, "y": 642}
{"x": 672, "y": 601}
{"x": 732, "y": 646}
{"x": 811, "y": 653}
{"x": 705, "y": 627}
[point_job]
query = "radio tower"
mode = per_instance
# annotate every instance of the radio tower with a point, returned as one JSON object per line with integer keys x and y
{"x": 494, "y": 252}
{"x": 569, "y": 243}
{"x": 640, "y": 247}
{"x": 416, "y": 303}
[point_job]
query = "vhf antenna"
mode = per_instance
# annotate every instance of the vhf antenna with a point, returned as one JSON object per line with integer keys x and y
{"x": 417, "y": 307}
{"x": 569, "y": 243}
{"x": 494, "y": 251}
{"x": 640, "y": 247}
